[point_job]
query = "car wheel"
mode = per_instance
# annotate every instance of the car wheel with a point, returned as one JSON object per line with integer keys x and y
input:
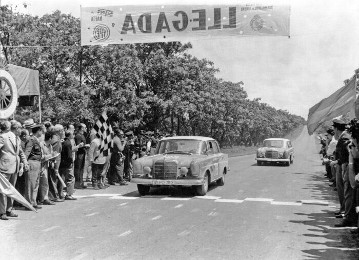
{"x": 259, "y": 163}
{"x": 202, "y": 189}
{"x": 291, "y": 159}
{"x": 221, "y": 181}
{"x": 143, "y": 189}
{"x": 287, "y": 163}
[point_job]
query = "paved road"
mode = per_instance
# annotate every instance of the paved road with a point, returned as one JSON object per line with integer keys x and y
{"x": 262, "y": 212}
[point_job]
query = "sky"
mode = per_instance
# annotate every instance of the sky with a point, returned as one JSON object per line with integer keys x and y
{"x": 292, "y": 74}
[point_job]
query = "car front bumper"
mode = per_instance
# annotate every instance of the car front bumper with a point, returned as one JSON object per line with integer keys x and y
{"x": 272, "y": 160}
{"x": 156, "y": 182}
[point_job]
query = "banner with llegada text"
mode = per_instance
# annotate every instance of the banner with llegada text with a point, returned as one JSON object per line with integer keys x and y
{"x": 163, "y": 23}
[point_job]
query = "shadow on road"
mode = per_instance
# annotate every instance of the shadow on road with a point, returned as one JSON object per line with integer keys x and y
{"x": 173, "y": 191}
{"x": 338, "y": 243}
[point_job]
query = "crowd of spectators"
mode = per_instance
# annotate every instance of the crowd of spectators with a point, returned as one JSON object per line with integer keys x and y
{"x": 341, "y": 159}
{"x": 47, "y": 163}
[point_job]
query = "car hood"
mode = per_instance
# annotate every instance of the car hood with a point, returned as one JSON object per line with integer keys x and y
{"x": 184, "y": 160}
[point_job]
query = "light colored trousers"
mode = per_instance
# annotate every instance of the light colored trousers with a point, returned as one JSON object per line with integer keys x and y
{"x": 32, "y": 180}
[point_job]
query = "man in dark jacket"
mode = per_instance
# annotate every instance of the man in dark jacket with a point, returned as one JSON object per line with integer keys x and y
{"x": 342, "y": 159}
{"x": 80, "y": 157}
{"x": 66, "y": 169}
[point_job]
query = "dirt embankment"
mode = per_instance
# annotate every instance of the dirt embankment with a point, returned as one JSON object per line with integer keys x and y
{"x": 243, "y": 150}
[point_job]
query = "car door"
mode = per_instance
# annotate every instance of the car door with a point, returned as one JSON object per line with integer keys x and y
{"x": 214, "y": 159}
{"x": 290, "y": 149}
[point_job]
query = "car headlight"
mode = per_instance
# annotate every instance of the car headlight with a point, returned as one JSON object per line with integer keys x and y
{"x": 147, "y": 171}
{"x": 183, "y": 171}
{"x": 281, "y": 154}
{"x": 260, "y": 154}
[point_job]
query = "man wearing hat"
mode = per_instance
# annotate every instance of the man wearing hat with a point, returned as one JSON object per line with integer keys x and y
{"x": 28, "y": 124}
{"x": 34, "y": 155}
{"x": 342, "y": 176}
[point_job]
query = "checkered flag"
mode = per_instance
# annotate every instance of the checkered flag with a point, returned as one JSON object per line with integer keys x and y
{"x": 103, "y": 131}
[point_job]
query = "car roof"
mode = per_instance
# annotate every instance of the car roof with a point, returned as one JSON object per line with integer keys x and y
{"x": 277, "y": 139}
{"x": 200, "y": 138}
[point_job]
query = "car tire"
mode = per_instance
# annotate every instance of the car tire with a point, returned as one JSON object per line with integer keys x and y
{"x": 287, "y": 163}
{"x": 221, "y": 181}
{"x": 259, "y": 163}
{"x": 201, "y": 190}
{"x": 291, "y": 160}
{"x": 143, "y": 190}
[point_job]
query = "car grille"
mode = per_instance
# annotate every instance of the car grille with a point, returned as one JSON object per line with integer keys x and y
{"x": 165, "y": 170}
{"x": 272, "y": 154}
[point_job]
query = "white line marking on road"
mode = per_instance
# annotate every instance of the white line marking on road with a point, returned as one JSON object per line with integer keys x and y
{"x": 92, "y": 214}
{"x": 316, "y": 202}
{"x": 178, "y": 206}
{"x": 157, "y": 217}
{"x": 50, "y": 228}
{"x": 286, "y": 203}
{"x": 123, "y": 198}
{"x": 229, "y": 200}
{"x": 125, "y": 233}
{"x": 123, "y": 204}
{"x": 105, "y": 195}
{"x": 208, "y": 197}
{"x": 258, "y": 199}
{"x": 81, "y": 256}
{"x": 184, "y": 233}
{"x": 172, "y": 198}
{"x": 81, "y": 196}
{"x": 213, "y": 214}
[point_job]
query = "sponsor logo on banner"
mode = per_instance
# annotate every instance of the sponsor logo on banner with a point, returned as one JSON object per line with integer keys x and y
{"x": 138, "y": 24}
{"x": 101, "y": 32}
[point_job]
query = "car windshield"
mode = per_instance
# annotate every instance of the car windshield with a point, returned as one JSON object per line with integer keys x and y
{"x": 181, "y": 146}
{"x": 273, "y": 143}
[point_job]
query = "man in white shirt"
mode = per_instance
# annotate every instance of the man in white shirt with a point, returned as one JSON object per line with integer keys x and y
{"x": 332, "y": 144}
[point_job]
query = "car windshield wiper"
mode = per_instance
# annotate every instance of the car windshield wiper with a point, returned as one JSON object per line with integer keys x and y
{"x": 181, "y": 152}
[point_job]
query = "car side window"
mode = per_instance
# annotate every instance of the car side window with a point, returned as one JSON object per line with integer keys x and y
{"x": 215, "y": 147}
{"x": 203, "y": 148}
{"x": 210, "y": 147}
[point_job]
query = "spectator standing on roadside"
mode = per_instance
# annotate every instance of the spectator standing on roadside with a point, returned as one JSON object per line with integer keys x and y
{"x": 332, "y": 143}
{"x": 354, "y": 166}
{"x": 43, "y": 196}
{"x": 342, "y": 159}
{"x": 12, "y": 159}
{"x": 66, "y": 165}
{"x": 20, "y": 183}
{"x": 55, "y": 186}
{"x": 97, "y": 162}
{"x": 129, "y": 152}
{"x": 34, "y": 155}
{"x": 80, "y": 157}
{"x": 117, "y": 159}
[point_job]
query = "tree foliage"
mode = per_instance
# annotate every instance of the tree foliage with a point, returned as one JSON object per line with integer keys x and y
{"x": 154, "y": 86}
